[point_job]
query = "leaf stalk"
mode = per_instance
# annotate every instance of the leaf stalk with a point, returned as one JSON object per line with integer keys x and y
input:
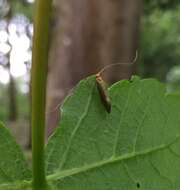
{"x": 39, "y": 78}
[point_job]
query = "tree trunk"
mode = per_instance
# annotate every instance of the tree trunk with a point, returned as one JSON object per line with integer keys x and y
{"x": 12, "y": 98}
{"x": 86, "y": 36}
{"x": 13, "y": 113}
{"x": 120, "y": 26}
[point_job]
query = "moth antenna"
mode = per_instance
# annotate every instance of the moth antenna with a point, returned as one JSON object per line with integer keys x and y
{"x": 122, "y": 63}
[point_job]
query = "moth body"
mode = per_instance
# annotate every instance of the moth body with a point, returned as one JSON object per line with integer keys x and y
{"x": 101, "y": 86}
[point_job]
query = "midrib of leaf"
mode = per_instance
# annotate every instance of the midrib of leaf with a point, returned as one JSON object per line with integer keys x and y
{"x": 67, "y": 173}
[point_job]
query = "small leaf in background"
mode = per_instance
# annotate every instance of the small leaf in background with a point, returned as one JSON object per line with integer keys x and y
{"x": 13, "y": 166}
{"x": 136, "y": 146}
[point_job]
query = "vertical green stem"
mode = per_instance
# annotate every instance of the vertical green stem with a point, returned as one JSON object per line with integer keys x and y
{"x": 39, "y": 76}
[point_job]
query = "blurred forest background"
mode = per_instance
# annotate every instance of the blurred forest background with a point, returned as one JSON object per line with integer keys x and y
{"x": 85, "y": 36}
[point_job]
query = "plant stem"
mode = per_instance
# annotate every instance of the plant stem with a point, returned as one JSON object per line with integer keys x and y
{"x": 39, "y": 77}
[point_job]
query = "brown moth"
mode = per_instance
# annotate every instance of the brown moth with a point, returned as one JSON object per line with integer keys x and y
{"x": 102, "y": 86}
{"x": 103, "y": 92}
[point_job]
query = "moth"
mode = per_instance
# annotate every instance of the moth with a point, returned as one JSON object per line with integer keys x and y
{"x": 102, "y": 86}
{"x": 103, "y": 92}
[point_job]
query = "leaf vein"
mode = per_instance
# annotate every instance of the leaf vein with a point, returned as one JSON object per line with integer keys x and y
{"x": 159, "y": 173}
{"x": 139, "y": 126}
{"x": 64, "y": 157}
{"x": 120, "y": 122}
{"x": 112, "y": 160}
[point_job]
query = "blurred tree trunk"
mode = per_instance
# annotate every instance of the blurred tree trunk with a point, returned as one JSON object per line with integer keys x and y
{"x": 87, "y": 35}
{"x": 121, "y": 21}
{"x": 13, "y": 115}
{"x": 12, "y": 97}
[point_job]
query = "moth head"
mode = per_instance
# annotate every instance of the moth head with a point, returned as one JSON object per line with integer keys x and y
{"x": 98, "y": 77}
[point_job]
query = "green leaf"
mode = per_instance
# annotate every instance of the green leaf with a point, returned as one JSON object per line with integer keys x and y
{"x": 136, "y": 146}
{"x": 14, "y": 171}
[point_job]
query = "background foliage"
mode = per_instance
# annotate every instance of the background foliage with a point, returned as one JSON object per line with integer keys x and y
{"x": 159, "y": 40}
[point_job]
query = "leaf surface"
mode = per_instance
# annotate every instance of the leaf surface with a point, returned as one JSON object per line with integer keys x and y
{"x": 14, "y": 170}
{"x": 136, "y": 146}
